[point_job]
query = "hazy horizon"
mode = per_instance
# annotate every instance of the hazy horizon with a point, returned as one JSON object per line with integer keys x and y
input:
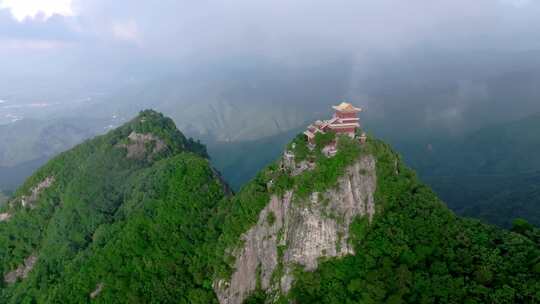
{"x": 449, "y": 60}
{"x": 422, "y": 71}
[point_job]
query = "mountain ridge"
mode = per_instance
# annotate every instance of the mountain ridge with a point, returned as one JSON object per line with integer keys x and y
{"x": 425, "y": 229}
{"x": 55, "y": 228}
{"x": 140, "y": 215}
{"x": 495, "y": 168}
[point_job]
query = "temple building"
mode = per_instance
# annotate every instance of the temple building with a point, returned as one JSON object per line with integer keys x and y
{"x": 344, "y": 121}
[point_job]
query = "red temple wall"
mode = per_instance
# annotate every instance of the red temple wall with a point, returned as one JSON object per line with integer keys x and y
{"x": 345, "y": 130}
{"x": 346, "y": 115}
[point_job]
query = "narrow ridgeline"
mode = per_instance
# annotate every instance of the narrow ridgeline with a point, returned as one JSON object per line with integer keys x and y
{"x": 359, "y": 227}
{"x": 116, "y": 219}
{"x": 140, "y": 216}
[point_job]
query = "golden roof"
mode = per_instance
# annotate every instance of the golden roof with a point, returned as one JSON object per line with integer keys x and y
{"x": 346, "y": 107}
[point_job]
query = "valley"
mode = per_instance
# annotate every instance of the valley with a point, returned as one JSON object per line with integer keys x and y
{"x": 269, "y": 152}
{"x": 141, "y": 206}
{"x": 483, "y": 164}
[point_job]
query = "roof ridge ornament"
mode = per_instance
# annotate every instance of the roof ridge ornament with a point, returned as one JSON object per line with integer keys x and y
{"x": 346, "y": 107}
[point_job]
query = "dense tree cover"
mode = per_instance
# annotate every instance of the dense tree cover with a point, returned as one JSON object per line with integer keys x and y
{"x": 417, "y": 251}
{"x": 497, "y": 169}
{"x": 161, "y": 229}
{"x": 521, "y": 201}
{"x": 496, "y": 199}
{"x": 131, "y": 224}
{"x": 299, "y": 147}
{"x": 150, "y": 253}
{"x": 155, "y": 123}
{"x": 327, "y": 170}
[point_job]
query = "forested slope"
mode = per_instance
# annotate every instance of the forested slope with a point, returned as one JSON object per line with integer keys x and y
{"x": 414, "y": 251}
{"x": 118, "y": 218}
{"x": 496, "y": 168}
{"x": 418, "y": 251}
{"x": 139, "y": 216}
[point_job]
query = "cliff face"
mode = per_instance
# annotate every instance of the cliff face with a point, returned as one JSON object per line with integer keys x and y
{"x": 101, "y": 224}
{"x": 294, "y": 232}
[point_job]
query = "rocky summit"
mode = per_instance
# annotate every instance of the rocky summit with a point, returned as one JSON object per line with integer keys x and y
{"x": 139, "y": 215}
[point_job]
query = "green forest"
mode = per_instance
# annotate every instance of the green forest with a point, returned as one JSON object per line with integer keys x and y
{"x": 417, "y": 251}
{"x": 159, "y": 228}
{"x": 496, "y": 168}
{"x": 130, "y": 225}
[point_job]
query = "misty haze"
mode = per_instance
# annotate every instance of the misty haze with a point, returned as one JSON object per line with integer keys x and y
{"x": 269, "y": 151}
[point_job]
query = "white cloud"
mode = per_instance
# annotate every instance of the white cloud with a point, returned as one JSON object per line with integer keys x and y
{"x": 126, "y": 31}
{"x": 22, "y": 9}
{"x": 517, "y": 3}
{"x": 18, "y": 44}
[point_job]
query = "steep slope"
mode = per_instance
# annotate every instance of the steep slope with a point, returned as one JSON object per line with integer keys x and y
{"x": 28, "y": 144}
{"x": 496, "y": 168}
{"x": 116, "y": 219}
{"x": 417, "y": 251}
{"x": 13, "y": 177}
{"x": 240, "y": 161}
{"x": 520, "y": 201}
{"x": 360, "y": 227}
{"x": 139, "y": 216}
{"x": 297, "y": 233}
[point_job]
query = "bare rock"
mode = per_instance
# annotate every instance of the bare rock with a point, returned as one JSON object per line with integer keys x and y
{"x": 257, "y": 259}
{"x": 4, "y": 216}
{"x": 138, "y": 145}
{"x": 29, "y": 200}
{"x": 288, "y": 160}
{"x": 22, "y": 271}
{"x": 97, "y": 291}
{"x": 300, "y": 233}
{"x": 303, "y": 166}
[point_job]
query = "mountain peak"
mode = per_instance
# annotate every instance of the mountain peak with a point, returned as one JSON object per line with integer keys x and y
{"x": 151, "y": 133}
{"x": 360, "y": 227}
{"x": 141, "y": 190}
{"x": 137, "y": 215}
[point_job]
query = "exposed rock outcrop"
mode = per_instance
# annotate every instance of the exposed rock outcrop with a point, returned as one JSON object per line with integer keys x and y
{"x": 289, "y": 162}
{"x": 4, "y": 216}
{"x": 29, "y": 200}
{"x": 293, "y": 232}
{"x": 22, "y": 271}
{"x": 97, "y": 291}
{"x": 138, "y": 145}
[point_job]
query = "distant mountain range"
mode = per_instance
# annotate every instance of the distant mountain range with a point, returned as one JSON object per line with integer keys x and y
{"x": 139, "y": 215}
{"x": 28, "y": 140}
{"x": 29, "y": 143}
{"x": 496, "y": 169}
{"x": 441, "y": 120}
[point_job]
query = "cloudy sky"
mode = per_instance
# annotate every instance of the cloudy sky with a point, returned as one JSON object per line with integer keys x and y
{"x": 98, "y": 40}
{"x": 280, "y": 29}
